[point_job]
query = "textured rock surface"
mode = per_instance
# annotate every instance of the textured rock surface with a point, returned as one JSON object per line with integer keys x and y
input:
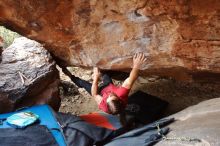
{"x": 181, "y": 38}
{"x": 200, "y": 121}
{"x": 1, "y": 48}
{"x": 1, "y": 42}
{"x": 28, "y": 76}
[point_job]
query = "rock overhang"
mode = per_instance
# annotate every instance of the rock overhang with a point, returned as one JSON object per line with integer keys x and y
{"x": 181, "y": 39}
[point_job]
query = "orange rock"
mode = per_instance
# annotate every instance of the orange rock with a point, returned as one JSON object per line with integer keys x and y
{"x": 180, "y": 38}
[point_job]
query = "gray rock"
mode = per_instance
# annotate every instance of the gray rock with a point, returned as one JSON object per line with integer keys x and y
{"x": 1, "y": 48}
{"x": 28, "y": 76}
{"x": 201, "y": 121}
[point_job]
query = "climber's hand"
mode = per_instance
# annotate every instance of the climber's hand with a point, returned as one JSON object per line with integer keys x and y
{"x": 138, "y": 60}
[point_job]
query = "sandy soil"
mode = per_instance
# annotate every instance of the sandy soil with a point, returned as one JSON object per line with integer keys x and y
{"x": 179, "y": 94}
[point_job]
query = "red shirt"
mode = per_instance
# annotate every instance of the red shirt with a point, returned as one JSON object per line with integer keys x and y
{"x": 121, "y": 92}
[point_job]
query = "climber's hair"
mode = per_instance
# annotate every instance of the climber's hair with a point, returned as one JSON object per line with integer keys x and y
{"x": 115, "y": 106}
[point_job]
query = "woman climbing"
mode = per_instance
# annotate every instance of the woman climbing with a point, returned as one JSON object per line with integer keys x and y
{"x": 110, "y": 98}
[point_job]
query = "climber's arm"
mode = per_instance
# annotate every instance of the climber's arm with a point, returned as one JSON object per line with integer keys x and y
{"x": 138, "y": 61}
{"x": 94, "y": 89}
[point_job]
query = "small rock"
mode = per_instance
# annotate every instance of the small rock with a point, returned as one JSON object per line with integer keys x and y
{"x": 81, "y": 90}
{"x": 86, "y": 77}
{"x": 89, "y": 72}
{"x": 142, "y": 80}
{"x": 79, "y": 101}
{"x": 73, "y": 100}
{"x": 63, "y": 104}
{"x": 77, "y": 97}
{"x": 151, "y": 79}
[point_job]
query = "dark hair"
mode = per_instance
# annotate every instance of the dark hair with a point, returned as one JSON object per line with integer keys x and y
{"x": 118, "y": 106}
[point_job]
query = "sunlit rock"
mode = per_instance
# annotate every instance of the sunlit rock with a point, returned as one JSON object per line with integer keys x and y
{"x": 180, "y": 38}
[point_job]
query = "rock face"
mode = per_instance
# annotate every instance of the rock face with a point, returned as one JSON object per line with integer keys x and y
{"x": 28, "y": 76}
{"x": 181, "y": 38}
{"x": 1, "y": 48}
{"x": 1, "y": 42}
{"x": 199, "y": 122}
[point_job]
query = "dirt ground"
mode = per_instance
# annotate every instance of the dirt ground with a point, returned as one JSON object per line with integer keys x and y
{"x": 179, "y": 94}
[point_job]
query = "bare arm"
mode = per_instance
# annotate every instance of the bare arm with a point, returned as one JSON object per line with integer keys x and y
{"x": 94, "y": 90}
{"x": 138, "y": 60}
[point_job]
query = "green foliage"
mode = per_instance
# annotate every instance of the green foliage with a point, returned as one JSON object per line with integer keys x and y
{"x": 8, "y": 36}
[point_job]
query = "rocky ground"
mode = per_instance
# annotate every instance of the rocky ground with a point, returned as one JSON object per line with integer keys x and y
{"x": 76, "y": 100}
{"x": 179, "y": 94}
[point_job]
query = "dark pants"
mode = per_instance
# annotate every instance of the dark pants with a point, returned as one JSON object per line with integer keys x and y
{"x": 87, "y": 85}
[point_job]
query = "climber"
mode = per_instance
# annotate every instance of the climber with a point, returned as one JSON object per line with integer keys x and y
{"x": 110, "y": 98}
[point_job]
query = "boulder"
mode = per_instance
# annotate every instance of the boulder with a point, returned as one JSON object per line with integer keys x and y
{"x": 199, "y": 122}
{"x": 180, "y": 38}
{"x": 28, "y": 76}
